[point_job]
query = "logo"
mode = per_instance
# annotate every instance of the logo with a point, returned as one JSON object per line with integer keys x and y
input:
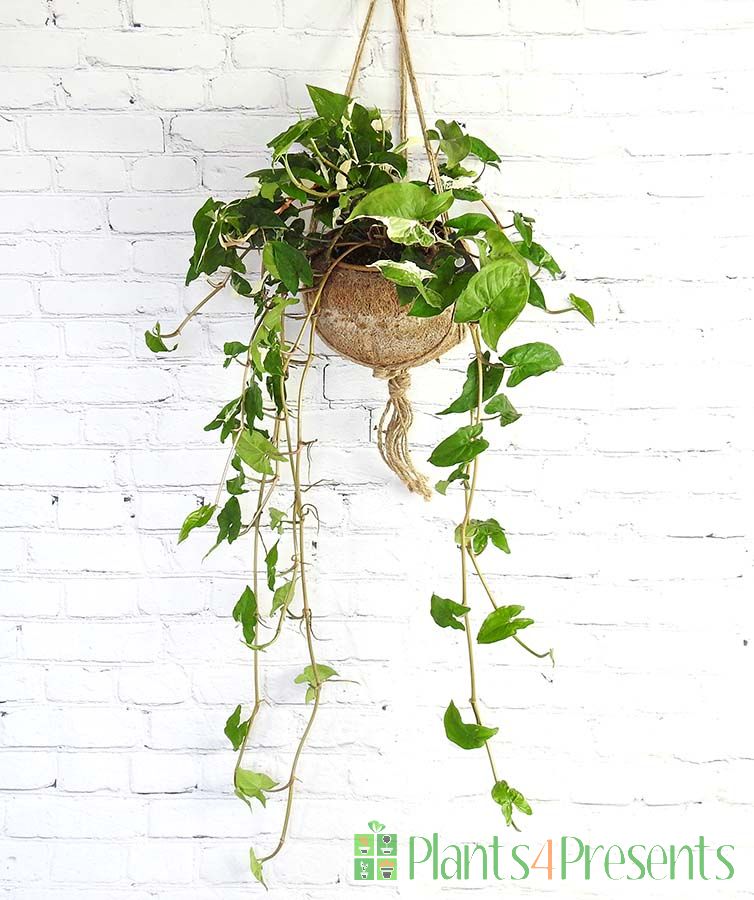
{"x": 375, "y": 855}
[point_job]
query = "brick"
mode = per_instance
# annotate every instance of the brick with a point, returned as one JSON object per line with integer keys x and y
{"x": 161, "y": 862}
{"x": 79, "y": 684}
{"x": 15, "y": 384}
{"x": 95, "y": 256}
{"x": 163, "y": 773}
{"x": 116, "y": 134}
{"x": 169, "y": 14}
{"x": 18, "y": 339}
{"x": 154, "y": 51}
{"x": 312, "y": 52}
{"x": 153, "y": 215}
{"x": 49, "y": 817}
{"x": 91, "y": 173}
{"x": 86, "y": 772}
{"x": 77, "y": 467}
{"x": 96, "y": 642}
{"x": 488, "y": 18}
{"x": 23, "y": 861}
{"x": 537, "y": 17}
{"x": 164, "y": 173}
{"x": 168, "y": 256}
{"x": 177, "y": 90}
{"x": 95, "y": 340}
{"x": 60, "y": 427}
{"x": 243, "y": 90}
{"x": 87, "y": 14}
{"x": 108, "y": 298}
{"x": 88, "y": 862}
{"x": 50, "y": 213}
{"x": 226, "y": 12}
{"x": 153, "y": 685}
{"x": 37, "y": 49}
{"x": 23, "y": 12}
{"x": 25, "y": 771}
{"x": 37, "y": 598}
{"x": 23, "y": 90}
{"x": 60, "y": 384}
{"x": 25, "y": 173}
{"x": 97, "y": 90}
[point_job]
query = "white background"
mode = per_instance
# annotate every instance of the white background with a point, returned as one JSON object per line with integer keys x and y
{"x": 627, "y": 129}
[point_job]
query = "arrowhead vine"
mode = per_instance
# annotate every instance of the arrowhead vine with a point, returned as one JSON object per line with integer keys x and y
{"x": 338, "y": 188}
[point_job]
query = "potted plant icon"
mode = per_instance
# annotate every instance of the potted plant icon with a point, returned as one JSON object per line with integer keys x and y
{"x": 387, "y": 869}
{"x": 363, "y": 843}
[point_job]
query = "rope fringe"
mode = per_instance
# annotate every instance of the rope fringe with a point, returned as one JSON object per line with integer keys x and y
{"x": 393, "y": 429}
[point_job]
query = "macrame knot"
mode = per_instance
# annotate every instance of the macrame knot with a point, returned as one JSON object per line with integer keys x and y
{"x": 393, "y": 429}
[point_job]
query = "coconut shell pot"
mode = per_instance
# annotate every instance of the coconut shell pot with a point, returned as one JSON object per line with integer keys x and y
{"x": 360, "y": 317}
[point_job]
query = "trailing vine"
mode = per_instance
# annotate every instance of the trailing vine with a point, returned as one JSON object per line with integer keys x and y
{"x": 338, "y": 189}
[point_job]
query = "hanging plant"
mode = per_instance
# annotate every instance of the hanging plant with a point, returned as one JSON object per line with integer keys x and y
{"x": 392, "y": 271}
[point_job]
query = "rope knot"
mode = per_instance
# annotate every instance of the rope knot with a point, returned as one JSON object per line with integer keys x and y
{"x": 392, "y": 431}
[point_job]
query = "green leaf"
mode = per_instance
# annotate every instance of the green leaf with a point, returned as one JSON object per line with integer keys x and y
{"x": 479, "y": 532}
{"x": 376, "y": 826}
{"x": 234, "y": 348}
{"x": 253, "y": 403}
{"x": 583, "y": 306}
{"x": 469, "y": 737}
{"x": 446, "y": 612}
{"x": 408, "y": 274}
{"x": 253, "y": 784}
{"x": 492, "y": 376}
{"x": 257, "y": 451}
{"x": 496, "y": 295}
{"x": 461, "y": 447}
{"x": 508, "y": 797}
{"x": 540, "y": 257}
{"x": 329, "y": 106}
{"x": 256, "y": 868}
{"x": 270, "y": 561}
{"x": 235, "y": 729}
{"x": 459, "y": 474}
{"x": 229, "y": 521}
{"x": 528, "y": 360}
{"x": 454, "y": 144}
{"x": 536, "y": 297}
{"x": 324, "y": 673}
{"x": 283, "y": 142}
{"x": 277, "y": 517}
{"x": 208, "y": 254}
{"x": 403, "y": 200}
{"x": 471, "y": 223}
{"x": 282, "y": 597}
{"x": 407, "y": 232}
{"x": 288, "y": 265}
{"x": 502, "y": 624}
{"x": 502, "y": 407}
{"x": 483, "y": 152}
{"x": 196, "y": 519}
{"x": 245, "y": 613}
{"x": 240, "y": 285}
{"x": 523, "y": 227}
{"x": 155, "y": 342}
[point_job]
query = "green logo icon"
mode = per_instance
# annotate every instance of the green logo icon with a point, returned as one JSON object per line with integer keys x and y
{"x": 375, "y": 855}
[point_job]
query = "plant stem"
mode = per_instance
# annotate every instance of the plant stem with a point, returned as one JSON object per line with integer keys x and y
{"x": 469, "y": 491}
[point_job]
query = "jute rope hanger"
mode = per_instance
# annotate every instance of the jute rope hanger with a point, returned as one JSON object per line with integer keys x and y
{"x": 397, "y": 418}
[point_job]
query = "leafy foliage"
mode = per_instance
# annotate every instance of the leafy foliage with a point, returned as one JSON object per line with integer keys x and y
{"x": 467, "y": 736}
{"x": 337, "y": 183}
{"x": 502, "y": 624}
{"x": 447, "y": 613}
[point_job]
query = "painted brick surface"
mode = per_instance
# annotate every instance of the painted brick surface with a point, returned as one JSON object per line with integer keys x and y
{"x": 627, "y": 131}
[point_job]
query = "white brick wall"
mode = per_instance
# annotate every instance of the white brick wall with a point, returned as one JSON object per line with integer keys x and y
{"x": 627, "y": 130}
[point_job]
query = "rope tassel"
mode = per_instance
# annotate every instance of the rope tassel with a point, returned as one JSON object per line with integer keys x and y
{"x": 393, "y": 429}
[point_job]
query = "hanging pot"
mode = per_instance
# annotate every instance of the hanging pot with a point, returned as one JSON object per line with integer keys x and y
{"x": 360, "y": 317}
